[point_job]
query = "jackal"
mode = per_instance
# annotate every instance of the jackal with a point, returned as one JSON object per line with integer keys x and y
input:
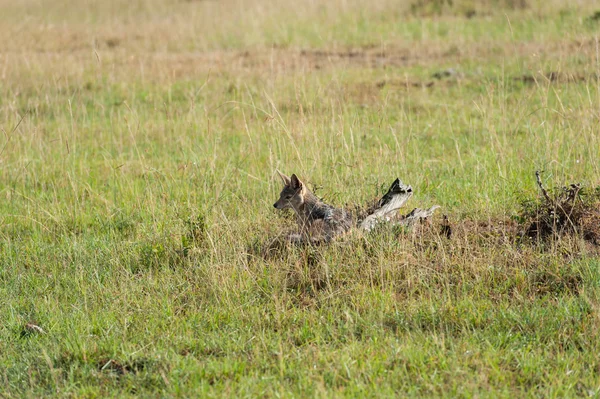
{"x": 320, "y": 221}
{"x": 316, "y": 219}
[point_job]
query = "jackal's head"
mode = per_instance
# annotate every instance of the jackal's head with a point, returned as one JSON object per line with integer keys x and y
{"x": 292, "y": 195}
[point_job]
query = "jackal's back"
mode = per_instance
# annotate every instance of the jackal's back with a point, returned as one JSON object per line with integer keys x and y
{"x": 324, "y": 219}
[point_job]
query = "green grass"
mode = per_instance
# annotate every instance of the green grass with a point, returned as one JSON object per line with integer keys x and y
{"x": 137, "y": 159}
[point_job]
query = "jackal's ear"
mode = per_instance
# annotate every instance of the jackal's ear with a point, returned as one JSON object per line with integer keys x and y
{"x": 296, "y": 183}
{"x": 286, "y": 180}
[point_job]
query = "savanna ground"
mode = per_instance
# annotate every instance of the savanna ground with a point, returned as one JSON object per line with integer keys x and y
{"x": 137, "y": 156}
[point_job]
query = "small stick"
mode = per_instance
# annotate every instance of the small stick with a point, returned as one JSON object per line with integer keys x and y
{"x": 541, "y": 186}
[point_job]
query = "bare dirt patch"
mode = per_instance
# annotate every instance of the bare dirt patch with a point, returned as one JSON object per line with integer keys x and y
{"x": 404, "y": 84}
{"x": 554, "y": 76}
{"x": 113, "y": 54}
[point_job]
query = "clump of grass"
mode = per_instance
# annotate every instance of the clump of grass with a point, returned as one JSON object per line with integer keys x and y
{"x": 595, "y": 17}
{"x": 570, "y": 210}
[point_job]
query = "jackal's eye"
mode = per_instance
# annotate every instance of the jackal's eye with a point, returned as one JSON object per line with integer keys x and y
{"x": 288, "y": 197}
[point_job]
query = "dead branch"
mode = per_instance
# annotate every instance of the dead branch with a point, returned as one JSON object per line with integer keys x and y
{"x": 541, "y": 186}
{"x": 416, "y": 215}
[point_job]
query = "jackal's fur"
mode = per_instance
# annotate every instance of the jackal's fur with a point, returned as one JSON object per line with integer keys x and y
{"x": 316, "y": 219}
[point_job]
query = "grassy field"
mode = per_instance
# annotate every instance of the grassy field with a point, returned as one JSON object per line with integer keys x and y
{"x": 138, "y": 148}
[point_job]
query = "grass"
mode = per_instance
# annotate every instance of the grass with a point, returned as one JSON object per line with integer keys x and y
{"x": 137, "y": 162}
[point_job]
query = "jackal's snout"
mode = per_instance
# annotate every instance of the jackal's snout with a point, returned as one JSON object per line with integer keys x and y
{"x": 283, "y": 202}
